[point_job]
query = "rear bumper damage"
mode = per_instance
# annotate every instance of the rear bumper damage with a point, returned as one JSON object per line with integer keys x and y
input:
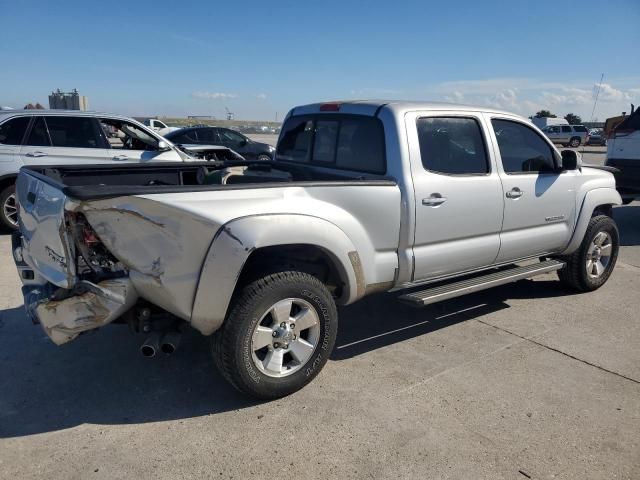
{"x": 94, "y": 306}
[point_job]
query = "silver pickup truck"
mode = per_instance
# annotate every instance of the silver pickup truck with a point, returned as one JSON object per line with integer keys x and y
{"x": 433, "y": 200}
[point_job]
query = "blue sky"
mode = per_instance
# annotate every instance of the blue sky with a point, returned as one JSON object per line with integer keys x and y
{"x": 259, "y": 58}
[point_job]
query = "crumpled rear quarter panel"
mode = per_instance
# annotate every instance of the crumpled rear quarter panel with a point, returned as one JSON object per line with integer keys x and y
{"x": 163, "y": 247}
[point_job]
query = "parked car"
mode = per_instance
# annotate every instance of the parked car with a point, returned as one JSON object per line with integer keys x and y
{"x": 58, "y": 137}
{"x": 363, "y": 197}
{"x": 597, "y": 137}
{"x": 248, "y": 148}
{"x": 623, "y": 153}
{"x": 159, "y": 126}
{"x": 567, "y": 135}
{"x": 542, "y": 122}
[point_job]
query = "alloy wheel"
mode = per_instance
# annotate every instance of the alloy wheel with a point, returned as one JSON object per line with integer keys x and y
{"x": 599, "y": 254}
{"x": 285, "y": 337}
{"x": 10, "y": 210}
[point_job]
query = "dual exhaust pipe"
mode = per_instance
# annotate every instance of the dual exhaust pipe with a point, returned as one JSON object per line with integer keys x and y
{"x": 166, "y": 343}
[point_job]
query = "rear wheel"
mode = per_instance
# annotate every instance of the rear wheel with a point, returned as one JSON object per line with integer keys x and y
{"x": 574, "y": 142}
{"x": 9, "y": 209}
{"x": 590, "y": 266}
{"x": 278, "y": 335}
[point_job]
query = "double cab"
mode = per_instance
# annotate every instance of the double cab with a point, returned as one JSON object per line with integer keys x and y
{"x": 430, "y": 200}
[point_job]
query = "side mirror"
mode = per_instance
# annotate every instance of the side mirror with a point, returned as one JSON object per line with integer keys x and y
{"x": 571, "y": 160}
{"x": 163, "y": 146}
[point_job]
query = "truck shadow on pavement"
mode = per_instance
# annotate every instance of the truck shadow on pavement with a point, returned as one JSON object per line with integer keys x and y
{"x": 380, "y": 320}
{"x": 101, "y": 378}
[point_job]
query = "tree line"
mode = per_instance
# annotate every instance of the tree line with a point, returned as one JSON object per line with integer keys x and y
{"x": 571, "y": 118}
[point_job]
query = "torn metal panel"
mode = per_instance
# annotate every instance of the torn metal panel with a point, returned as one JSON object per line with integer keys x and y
{"x": 100, "y": 304}
{"x": 162, "y": 248}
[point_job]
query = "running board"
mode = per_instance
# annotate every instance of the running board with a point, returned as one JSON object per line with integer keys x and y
{"x": 463, "y": 287}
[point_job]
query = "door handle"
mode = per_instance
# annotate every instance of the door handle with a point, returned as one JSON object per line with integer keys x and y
{"x": 120, "y": 158}
{"x": 36, "y": 154}
{"x": 434, "y": 200}
{"x": 515, "y": 192}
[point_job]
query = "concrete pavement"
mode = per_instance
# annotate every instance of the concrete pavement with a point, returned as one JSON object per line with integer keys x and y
{"x": 523, "y": 381}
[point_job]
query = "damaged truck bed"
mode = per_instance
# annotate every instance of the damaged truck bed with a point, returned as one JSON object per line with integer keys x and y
{"x": 96, "y": 241}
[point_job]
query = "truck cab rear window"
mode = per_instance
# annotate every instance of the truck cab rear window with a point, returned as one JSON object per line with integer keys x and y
{"x": 346, "y": 142}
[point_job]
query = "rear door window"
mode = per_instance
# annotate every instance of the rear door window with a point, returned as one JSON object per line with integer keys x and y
{"x": 453, "y": 146}
{"x": 346, "y": 142}
{"x": 38, "y": 136}
{"x": 73, "y": 132}
{"x": 207, "y": 135}
{"x": 187, "y": 137}
{"x": 12, "y": 131}
{"x": 566, "y": 129}
{"x": 579, "y": 128}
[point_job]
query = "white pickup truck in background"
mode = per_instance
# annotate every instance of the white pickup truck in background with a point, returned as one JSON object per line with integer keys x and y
{"x": 159, "y": 126}
{"x": 434, "y": 200}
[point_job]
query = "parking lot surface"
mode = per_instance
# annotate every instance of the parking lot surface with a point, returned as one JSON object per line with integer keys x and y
{"x": 523, "y": 381}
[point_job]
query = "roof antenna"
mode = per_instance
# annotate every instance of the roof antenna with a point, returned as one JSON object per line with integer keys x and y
{"x": 596, "y": 100}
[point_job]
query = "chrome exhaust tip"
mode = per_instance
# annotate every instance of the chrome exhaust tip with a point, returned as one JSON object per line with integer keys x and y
{"x": 170, "y": 342}
{"x": 151, "y": 346}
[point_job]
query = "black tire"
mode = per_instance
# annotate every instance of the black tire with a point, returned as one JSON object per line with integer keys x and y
{"x": 232, "y": 344}
{"x": 6, "y": 222}
{"x": 574, "y": 274}
{"x": 575, "y": 142}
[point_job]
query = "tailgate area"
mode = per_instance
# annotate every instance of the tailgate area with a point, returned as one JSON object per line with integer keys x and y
{"x": 46, "y": 246}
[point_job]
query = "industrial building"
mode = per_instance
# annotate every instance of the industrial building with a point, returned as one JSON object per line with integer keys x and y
{"x": 59, "y": 100}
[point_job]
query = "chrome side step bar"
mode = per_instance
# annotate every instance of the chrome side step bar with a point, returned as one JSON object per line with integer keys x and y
{"x": 475, "y": 284}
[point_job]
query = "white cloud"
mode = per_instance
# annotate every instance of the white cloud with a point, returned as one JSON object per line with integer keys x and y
{"x": 261, "y": 96}
{"x": 611, "y": 94}
{"x": 455, "y": 97}
{"x": 526, "y": 96}
{"x": 213, "y": 95}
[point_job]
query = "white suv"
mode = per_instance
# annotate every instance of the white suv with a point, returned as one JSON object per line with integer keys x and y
{"x": 60, "y": 137}
{"x": 567, "y": 135}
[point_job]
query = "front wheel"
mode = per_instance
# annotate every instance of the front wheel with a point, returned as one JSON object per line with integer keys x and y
{"x": 590, "y": 266}
{"x": 278, "y": 335}
{"x": 9, "y": 208}
{"x": 575, "y": 142}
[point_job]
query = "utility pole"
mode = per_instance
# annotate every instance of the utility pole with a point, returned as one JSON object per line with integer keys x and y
{"x": 596, "y": 99}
